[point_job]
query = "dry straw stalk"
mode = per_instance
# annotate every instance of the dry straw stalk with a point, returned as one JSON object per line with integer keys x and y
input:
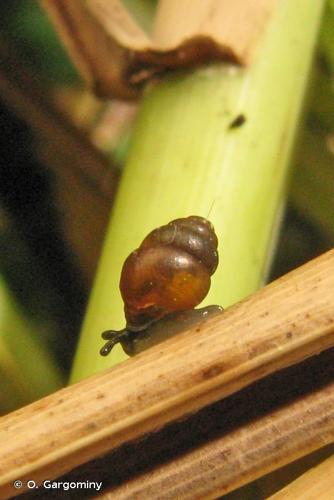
{"x": 265, "y": 442}
{"x": 284, "y": 323}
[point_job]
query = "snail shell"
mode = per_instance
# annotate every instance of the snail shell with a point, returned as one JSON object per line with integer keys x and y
{"x": 169, "y": 272}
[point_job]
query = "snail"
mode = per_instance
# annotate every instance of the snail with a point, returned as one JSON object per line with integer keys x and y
{"x": 162, "y": 281}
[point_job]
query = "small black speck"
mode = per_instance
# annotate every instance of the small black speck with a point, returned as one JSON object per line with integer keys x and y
{"x": 238, "y": 121}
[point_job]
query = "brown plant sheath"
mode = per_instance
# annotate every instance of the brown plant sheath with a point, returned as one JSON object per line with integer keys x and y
{"x": 184, "y": 33}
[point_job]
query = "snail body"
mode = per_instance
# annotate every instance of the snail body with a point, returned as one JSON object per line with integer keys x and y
{"x": 170, "y": 272}
{"x": 165, "y": 328}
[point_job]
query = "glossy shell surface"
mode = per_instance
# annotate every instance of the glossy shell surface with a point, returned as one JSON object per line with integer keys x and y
{"x": 170, "y": 271}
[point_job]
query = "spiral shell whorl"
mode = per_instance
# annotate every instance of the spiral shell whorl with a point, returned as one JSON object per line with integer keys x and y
{"x": 194, "y": 235}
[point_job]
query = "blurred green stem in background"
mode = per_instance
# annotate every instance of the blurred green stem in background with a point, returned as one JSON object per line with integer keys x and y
{"x": 312, "y": 189}
{"x": 27, "y": 369}
{"x": 188, "y": 158}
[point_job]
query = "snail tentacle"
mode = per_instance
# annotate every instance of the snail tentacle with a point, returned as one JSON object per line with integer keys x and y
{"x": 113, "y": 337}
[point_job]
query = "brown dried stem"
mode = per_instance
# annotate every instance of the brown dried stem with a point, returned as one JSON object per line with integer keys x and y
{"x": 85, "y": 180}
{"x": 284, "y": 323}
{"x": 249, "y": 451}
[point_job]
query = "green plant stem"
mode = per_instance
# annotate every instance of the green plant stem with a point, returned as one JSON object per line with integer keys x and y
{"x": 186, "y": 159}
{"x": 27, "y": 369}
